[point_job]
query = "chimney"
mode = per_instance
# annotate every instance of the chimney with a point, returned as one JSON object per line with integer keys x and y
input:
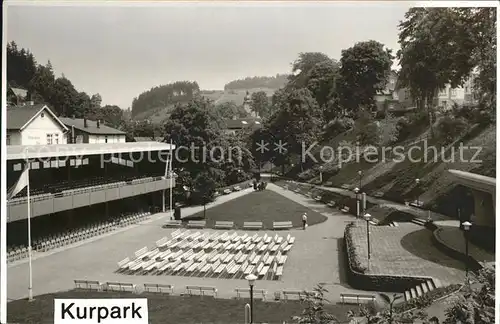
{"x": 98, "y": 123}
{"x": 85, "y": 122}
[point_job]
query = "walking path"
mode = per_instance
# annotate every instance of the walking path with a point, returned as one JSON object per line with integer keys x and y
{"x": 315, "y": 258}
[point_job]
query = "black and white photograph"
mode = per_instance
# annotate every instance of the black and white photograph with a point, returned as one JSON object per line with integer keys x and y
{"x": 249, "y": 162}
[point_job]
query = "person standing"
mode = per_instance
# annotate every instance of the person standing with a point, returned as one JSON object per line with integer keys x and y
{"x": 304, "y": 221}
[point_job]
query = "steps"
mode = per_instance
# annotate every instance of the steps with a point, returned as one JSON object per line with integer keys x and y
{"x": 422, "y": 289}
{"x": 418, "y": 221}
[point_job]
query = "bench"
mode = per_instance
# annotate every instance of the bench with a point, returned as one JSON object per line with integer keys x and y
{"x": 331, "y": 204}
{"x": 122, "y": 264}
{"x": 417, "y": 203}
{"x": 256, "y": 293}
{"x": 173, "y": 223}
{"x": 227, "y": 191}
{"x": 378, "y": 194}
{"x": 300, "y": 294}
{"x": 196, "y": 224}
{"x": 282, "y": 225}
{"x": 345, "y": 209}
{"x": 159, "y": 288}
{"x": 252, "y": 225}
{"x": 191, "y": 290}
{"x": 162, "y": 242}
{"x": 88, "y": 284}
{"x": 237, "y": 188}
{"x": 224, "y": 225}
{"x": 344, "y": 186}
{"x": 317, "y": 198}
{"x": 120, "y": 286}
{"x": 356, "y": 299}
{"x": 141, "y": 253}
{"x": 309, "y": 194}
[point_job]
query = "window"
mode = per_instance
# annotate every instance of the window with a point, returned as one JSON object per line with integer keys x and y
{"x": 105, "y": 139}
{"x": 49, "y": 139}
{"x": 56, "y": 138}
{"x": 8, "y": 139}
{"x": 453, "y": 92}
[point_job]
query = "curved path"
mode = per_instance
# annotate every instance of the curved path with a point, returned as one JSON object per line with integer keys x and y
{"x": 316, "y": 257}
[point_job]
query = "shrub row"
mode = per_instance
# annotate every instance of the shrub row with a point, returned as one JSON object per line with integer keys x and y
{"x": 427, "y": 299}
{"x": 354, "y": 261}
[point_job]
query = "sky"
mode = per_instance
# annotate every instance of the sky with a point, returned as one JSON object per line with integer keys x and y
{"x": 121, "y": 51}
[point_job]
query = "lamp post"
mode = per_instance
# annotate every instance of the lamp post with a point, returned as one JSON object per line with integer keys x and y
{"x": 417, "y": 181}
{"x": 356, "y": 191}
{"x": 320, "y": 174}
{"x": 251, "y": 280}
{"x": 466, "y": 226}
{"x": 360, "y": 174}
{"x": 367, "y": 218}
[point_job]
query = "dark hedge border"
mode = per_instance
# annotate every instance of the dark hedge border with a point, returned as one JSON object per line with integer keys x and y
{"x": 471, "y": 262}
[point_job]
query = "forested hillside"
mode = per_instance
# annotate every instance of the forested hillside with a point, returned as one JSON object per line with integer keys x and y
{"x": 23, "y": 71}
{"x": 164, "y": 96}
{"x": 274, "y": 82}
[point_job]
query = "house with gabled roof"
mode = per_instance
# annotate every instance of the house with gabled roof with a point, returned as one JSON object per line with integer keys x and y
{"x": 34, "y": 124}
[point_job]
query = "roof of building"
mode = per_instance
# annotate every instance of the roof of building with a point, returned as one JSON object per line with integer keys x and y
{"x": 147, "y": 139}
{"x": 79, "y": 123}
{"x": 19, "y": 152}
{"x": 243, "y": 122}
{"x": 19, "y": 92}
{"x": 18, "y": 117}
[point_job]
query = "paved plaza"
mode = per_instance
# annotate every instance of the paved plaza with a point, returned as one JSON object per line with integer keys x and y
{"x": 315, "y": 258}
{"x": 406, "y": 250}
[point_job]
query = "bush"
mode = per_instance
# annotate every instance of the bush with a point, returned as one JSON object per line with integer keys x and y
{"x": 351, "y": 250}
{"x": 426, "y": 299}
{"x": 450, "y": 127}
{"x": 338, "y": 126}
{"x": 403, "y": 126}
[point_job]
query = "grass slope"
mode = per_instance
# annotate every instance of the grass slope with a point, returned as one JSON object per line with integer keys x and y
{"x": 266, "y": 206}
{"x": 172, "y": 309}
{"x": 159, "y": 114}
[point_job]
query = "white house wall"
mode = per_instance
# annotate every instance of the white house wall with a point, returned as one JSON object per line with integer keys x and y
{"x": 101, "y": 139}
{"x": 36, "y": 131}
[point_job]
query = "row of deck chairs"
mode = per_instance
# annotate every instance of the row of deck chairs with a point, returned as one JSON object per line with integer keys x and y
{"x": 212, "y": 255}
{"x": 62, "y": 239}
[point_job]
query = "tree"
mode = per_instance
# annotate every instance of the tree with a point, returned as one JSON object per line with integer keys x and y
{"x": 364, "y": 71}
{"x": 442, "y": 46}
{"x": 321, "y": 82}
{"x": 260, "y": 103}
{"x": 204, "y": 186}
{"x": 96, "y": 101}
{"x": 367, "y": 129}
{"x": 112, "y": 115}
{"x": 296, "y": 122}
{"x": 476, "y": 304}
{"x": 301, "y": 68}
{"x": 64, "y": 97}
{"x": 228, "y": 110}
{"x": 314, "y": 311}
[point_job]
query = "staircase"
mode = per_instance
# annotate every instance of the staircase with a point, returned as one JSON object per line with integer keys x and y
{"x": 422, "y": 289}
{"x": 418, "y": 221}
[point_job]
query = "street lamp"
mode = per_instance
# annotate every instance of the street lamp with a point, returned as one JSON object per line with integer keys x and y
{"x": 356, "y": 191}
{"x": 367, "y": 218}
{"x": 251, "y": 281}
{"x": 360, "y": 174}
{"x": 466, "y": 226}
{"x": 417, "y": 181}
{"x": 321, "y": 174}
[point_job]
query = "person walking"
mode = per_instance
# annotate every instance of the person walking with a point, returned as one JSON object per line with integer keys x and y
{"x": 304, "y": 221}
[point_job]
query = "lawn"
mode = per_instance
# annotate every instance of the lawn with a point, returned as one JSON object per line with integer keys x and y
{"x": 172, "y": 309}
{"x": 266, "y": 206}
